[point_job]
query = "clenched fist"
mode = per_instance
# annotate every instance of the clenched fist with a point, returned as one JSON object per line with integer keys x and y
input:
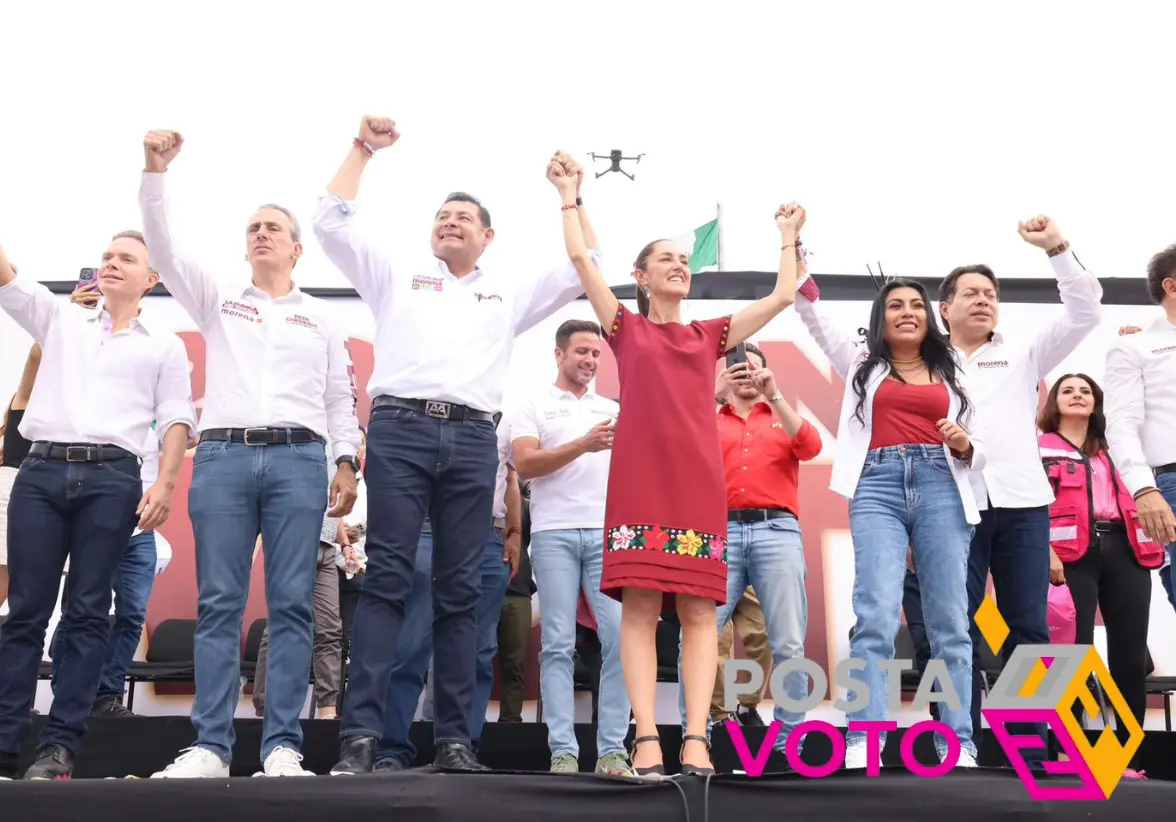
{"x": 563, "y": 172}
{"x": 1041, "y": 231}
{"x": 378, "y": 132}
{"x": 160, "y": 148}
{"x": 790, "y": 218}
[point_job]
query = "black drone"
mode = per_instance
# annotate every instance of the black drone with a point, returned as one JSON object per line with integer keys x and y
{"x": 615, "y": 157}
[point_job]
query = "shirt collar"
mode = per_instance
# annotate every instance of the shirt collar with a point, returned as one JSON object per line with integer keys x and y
{"x": 476, "y": 274}
{"x": 761, "y": 406}
{"x": 100, "y": 315}
{"x": 250, "y": 290}
{"x": 559, "y": 393}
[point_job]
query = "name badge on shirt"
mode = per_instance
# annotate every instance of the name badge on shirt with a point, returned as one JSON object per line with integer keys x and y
{"x": 422, "y": 283}
{"x": 242, "y": 311}
{"x": 993, "y": 364}
{"x": 559, "y": 412}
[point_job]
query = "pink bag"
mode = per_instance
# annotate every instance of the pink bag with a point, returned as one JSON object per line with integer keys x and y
{"x": 1061, "y": 616}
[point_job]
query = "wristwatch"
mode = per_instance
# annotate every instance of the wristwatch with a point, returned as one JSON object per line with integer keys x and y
{"x": 351, "y": 460}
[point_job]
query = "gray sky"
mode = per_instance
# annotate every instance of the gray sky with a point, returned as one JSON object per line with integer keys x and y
{"x": 914, "y": 133}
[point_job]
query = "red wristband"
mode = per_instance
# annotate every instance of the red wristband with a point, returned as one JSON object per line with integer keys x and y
{"x": 360, "y": 144}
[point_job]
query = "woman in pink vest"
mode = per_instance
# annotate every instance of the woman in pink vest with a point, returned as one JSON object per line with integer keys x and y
{"x": 1096, "y": 544}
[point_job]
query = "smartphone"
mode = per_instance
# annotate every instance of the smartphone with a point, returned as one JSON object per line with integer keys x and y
{"x": 88, "y": 276}
{"x": 737, "y": 355}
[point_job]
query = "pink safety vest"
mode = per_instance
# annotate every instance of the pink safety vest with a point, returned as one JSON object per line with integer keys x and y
{"x": 1071, "y": 516}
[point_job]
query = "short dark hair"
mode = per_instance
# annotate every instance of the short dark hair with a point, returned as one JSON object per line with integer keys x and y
{"x": 1160, "y": 267}
{"x": 563, "y": 334}
{"x": 947, "y": 288}
{"x": 462, "y": 197}
{"x": 754, "y": 349}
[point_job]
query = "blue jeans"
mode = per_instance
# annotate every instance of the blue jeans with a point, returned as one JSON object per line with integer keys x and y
{"x": 415, "y": 655}
{"x": 238, "y": 490}
{"x": 1167, "y": 485}
{"x": 566, "y": 562}
{"x": 912, "y": 609}
{"x": 84, "y": 511}
{"x": 133, "y": 582}
{"x": 907, "y": 497}
{"x": 769, "y": 556}
{"x": 1012, "y": 544}
{"x": 419, "y": 466}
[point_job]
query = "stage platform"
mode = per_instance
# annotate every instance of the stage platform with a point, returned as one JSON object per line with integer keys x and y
{"x": 519, "y": 789}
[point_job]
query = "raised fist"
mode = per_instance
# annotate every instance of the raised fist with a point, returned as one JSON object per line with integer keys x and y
{"x": 790, "y": 218}
{"x": 563, "y": 172}
{"x": 572, "y": 168}
{"x": 160, "y": 148}
{"x": 378, "y": 132}
{"x": 1041, "y": 231}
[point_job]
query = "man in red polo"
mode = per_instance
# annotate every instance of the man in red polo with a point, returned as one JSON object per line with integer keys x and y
{"x": 764, "y": 441}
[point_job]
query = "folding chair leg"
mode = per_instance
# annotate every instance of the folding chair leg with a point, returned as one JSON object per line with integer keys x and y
{"x": 130, "y": 695}
{"x": 1167, "y": 711}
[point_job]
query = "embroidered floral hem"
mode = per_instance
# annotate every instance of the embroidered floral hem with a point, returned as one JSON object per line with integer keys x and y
{"x": 684, "y": 542}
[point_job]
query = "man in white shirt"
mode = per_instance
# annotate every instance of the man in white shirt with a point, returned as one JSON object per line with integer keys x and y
{"x": 104, "y": 376}
{"x": 414, "y": 653}
{"x": 132, "y": 586}
{"x": 280, "y": 386}
{"x": 444, "y": 335}
{"x": 562, "y": 441}
{"x": 1012, "y": 540}
{"x": 1140, "y": 389}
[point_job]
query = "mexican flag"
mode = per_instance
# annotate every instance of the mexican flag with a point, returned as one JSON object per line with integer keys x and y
{"x": 704, "y": 244}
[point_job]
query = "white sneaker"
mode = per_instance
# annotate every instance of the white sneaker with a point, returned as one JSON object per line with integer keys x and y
{"x": 195, "y": 763}
{"x": 966, "y": 760}
{"x": 855, "y": 757}
{"x": 283, "y": 762}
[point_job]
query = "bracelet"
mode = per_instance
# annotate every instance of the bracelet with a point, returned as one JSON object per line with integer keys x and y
{"x": 790, "y": 245}
{"x": 777, "y": 397}
{"x": 569, "y": 208}
{"x": 364, "y": 147}
{"x": 1058, "y": 249}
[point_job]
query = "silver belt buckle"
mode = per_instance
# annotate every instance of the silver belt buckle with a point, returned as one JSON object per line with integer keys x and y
{"x": 438, "y": 410}
{"x": 71, "y": 452}
{"x": 249, "y": 431}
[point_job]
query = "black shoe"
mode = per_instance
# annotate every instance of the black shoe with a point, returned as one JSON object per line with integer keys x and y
{"x": 694, "y": 770}
{"x": 453, "y": 756}
{"x": 749, "y": 718}
{"x": 51, "y": 762}
{"x": 388, "y": 766}
{"x": 8, "y": 766}
{"x": 357, "y": 755}
{"x": 110, "y": 706}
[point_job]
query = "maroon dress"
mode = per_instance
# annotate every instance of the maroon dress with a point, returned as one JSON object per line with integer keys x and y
{"x": 665, "y": 522}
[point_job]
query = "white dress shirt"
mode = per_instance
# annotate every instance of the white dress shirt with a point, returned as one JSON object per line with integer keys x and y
{"x": 847, "y": 353}
{"x": 279, "y": 363}
{"x": 1003, "y": 380}
{"x": 440, "y": 337}
{"x": 1140, "y": 403}
{"x": 95, "y": 386}
{"x": 573, "y": 496}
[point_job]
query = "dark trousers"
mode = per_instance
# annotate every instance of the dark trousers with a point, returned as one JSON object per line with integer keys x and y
{"x": 514, "y": 635}
{"x": 1013, "y": 545}
{"x": 84, "y": 511}
{"x": 912, "y": 609}
{"x": 349, "y": 591}
{"x": 418, "y": 466}
{"x": 1109, "y": 578}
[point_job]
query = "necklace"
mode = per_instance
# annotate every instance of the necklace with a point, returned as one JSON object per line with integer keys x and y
{"x": 919, "y": 367}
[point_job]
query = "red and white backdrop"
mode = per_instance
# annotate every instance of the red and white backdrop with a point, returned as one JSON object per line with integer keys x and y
{"x": 804, "y": 378}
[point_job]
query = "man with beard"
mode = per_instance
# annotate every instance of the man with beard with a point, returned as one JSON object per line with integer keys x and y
{"x": 561, "y": 439}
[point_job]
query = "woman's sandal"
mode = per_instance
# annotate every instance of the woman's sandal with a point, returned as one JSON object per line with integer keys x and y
{"x": 694, "y": 770}
{"x": 656, "y": 770}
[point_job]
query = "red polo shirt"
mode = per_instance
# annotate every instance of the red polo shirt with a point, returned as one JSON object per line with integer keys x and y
{"x": 761, "y": 461}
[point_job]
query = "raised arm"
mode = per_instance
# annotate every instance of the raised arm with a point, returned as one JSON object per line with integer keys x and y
{"x": 27, "y": 301}
{"x": 558, "y": 286}
{"x": 365, "y": 267}
{"x": 1079, "y": 289}
{"x": 747, "y": 321}
{"x": 841, "y": 348}
{"x": 604, "y": 302}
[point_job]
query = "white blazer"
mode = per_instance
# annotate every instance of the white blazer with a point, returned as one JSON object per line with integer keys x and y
{"x": 847, "y": 354}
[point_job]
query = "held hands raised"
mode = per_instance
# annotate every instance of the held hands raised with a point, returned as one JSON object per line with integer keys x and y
{"x": 565, "y": 173}
{"x": 790, "y": 219}
{"x": 378, "y": 132}
{"x": 1042, "y": 232}
{"x": 160, "y": 148}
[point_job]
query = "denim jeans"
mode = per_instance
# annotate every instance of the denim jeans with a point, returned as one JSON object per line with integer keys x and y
{"x": 238, "y": 490}
{"x": 1167, "y": 485}
{"x": 907, "y": 497}
{"x": 769, "y": 556}
{"x": 566, "y": 562}
{"x": 132, "y": 586}
{"x": 1012, "y": 544}
{"x": 414, "y": 657}
{"x": 84, "y": 511}
{"x": 912, "y": 609}
{"x": 420, "y": 466}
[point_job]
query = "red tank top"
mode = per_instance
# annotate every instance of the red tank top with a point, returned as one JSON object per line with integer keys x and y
{"x": 906, "y": 414}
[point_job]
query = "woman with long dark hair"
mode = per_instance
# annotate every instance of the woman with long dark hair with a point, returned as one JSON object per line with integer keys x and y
{"x": 903, "y": 455}
{"x": 1097, "y": 546}
{"x": 666, "y": 512}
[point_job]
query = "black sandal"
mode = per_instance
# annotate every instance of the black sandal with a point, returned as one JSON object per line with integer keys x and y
{"x": 656, "y": 770}
{"x": 694, "y": 770}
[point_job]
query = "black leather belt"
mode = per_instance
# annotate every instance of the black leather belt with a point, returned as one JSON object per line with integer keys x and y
{"x": 80, "y": 452}
{"x": 435, "y": 408}
{"x": 756, "y": 514}
{"x": 262, "y": 436}
{"x": 1166, "y": 469}
{"x": 1104, "y": 526}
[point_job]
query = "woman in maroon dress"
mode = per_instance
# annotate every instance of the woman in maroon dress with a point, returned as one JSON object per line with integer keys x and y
{"x": 666, "y": 518}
